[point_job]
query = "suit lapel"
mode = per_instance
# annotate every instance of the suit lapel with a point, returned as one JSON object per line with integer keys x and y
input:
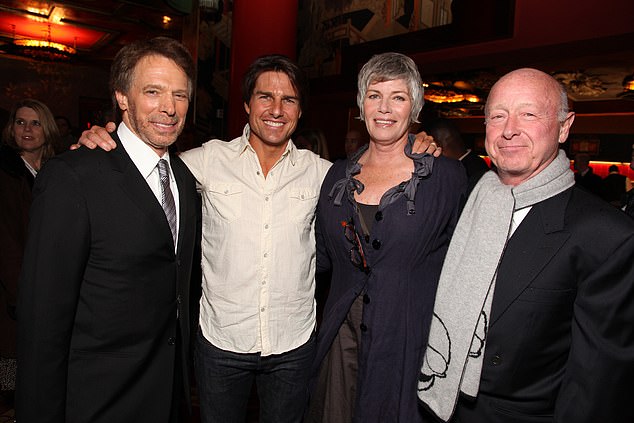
{"x": 136, "y": 188}
{"x": 538, "y": 238}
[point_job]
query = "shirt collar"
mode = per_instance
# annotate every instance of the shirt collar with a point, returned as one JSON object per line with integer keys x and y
{"x": 144, "y": 158}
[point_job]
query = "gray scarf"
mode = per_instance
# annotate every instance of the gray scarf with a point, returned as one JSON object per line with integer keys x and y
{"x": 453, "y": 359}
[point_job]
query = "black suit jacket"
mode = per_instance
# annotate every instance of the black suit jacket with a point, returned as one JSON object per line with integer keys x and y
{"x": 100, "y": 291}
{"x": 560, "y": 344}
{"x": 475, "y": 167}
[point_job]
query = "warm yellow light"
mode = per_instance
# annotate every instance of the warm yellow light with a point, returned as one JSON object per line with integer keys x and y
{"x": 57, "y": 16}
{"x": 45, "y": 44}
{"x": 440, "y": 92}
{"x": 37, "y": 11}
{"x": 166, "y": 20}
{"x": 441, "y": 98}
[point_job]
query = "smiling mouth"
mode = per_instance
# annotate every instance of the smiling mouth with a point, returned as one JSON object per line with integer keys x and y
{"x": 166, "y": 125}
{"x": 275, "y": 124}
{"x": 384, "y": 122}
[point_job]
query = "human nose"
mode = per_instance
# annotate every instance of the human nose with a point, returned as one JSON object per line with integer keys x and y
{"x": 168, "y": 104}
{"x": 276, "y": 107}
{"x": 511, "y": 127}
{"x": 384, "y": 105}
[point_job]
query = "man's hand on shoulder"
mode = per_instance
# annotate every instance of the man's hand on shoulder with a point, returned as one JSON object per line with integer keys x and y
{"x": 97, "y": 136}
{"x": 425, "y": 144}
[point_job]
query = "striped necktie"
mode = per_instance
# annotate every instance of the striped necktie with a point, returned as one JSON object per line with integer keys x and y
{"x": 167, "y": 199}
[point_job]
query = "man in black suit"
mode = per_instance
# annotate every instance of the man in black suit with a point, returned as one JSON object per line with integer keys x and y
{"x": 534, "y": 313}
{"x": 447, "y": 136}
{"x": 103, "y": 298}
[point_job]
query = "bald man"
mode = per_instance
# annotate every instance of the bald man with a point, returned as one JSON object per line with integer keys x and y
{"x": 533, "y": 319}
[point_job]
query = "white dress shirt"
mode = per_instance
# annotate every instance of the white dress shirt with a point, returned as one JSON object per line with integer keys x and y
{"x": 258, "y": 245}
{"x": 518, "y": 217}
{"x": 145, "y": 159}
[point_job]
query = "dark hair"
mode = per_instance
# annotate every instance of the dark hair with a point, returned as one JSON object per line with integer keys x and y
{"x": 275, "y": 63}
{"x": 317, "y": 141}
{"x": 446, "y": 134}
{"x": 122, "y": 69}
{"x": 64, "y": 118}
{"x": 49, "y": 127}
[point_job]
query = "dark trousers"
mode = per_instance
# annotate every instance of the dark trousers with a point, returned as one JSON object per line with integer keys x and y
{"x": 225, "y": 380}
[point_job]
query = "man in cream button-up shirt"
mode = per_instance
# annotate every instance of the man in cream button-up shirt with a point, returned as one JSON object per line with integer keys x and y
{"x": 257, "y": 311}
{"x": 257, "y": 228}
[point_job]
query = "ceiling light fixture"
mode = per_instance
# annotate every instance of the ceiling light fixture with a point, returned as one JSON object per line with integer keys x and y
{"x": 439, "y": 92}
{"x": 43, "y": 49}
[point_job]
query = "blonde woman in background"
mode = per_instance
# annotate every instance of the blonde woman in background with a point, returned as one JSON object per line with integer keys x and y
{"x": 27, "y": 142}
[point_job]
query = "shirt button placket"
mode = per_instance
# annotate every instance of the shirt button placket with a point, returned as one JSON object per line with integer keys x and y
{"x": 266, "y": 243}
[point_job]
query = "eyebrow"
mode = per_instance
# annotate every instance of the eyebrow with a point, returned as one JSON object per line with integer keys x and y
{"x": 163, "y": 87}
{"x": 269, "y": 93}
{"x": 391, "y": 92}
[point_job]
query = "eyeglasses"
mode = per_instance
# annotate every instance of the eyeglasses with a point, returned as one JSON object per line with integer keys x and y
{"x": 356, "y": 252}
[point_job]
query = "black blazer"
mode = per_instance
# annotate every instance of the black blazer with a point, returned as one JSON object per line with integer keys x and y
{"x": 100, "y": 291}
{"x": 560, "y": 344}
{"x": 475, "y": 167}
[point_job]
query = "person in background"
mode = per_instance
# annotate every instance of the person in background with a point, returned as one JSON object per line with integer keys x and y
{"x": 534, "y": 309}
{"x": 447, "y": 135}
{"x": 27, "y": 143}
{"x": 355, "y": 139}
{"x": 585, "y": 177}
{"x": 65, "y": 131}
{"x": 384, "y": 220}
{"x": 104, "y": 291}
{"x": 313, "y": 140}
{"x": 614, "y": 186}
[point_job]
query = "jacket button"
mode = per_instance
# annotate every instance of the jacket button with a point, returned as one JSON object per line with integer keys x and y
{"x": 378, "y": 216}
{"x": 363, "y": 327}
{"x": 171, "y": 341}
{"x": 496, "y": 360}
{"x": 376, "y": 244}
{"x": 366, "y": 299}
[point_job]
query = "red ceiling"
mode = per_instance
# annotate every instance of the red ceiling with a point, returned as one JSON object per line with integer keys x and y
{"x": 36, "y": 27}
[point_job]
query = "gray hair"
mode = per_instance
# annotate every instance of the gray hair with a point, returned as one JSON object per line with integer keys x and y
{"x": 562, "y": 114}
{"x": 389, "y": 67}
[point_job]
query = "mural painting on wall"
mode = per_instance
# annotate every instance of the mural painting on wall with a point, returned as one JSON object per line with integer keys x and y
{"x": 325, "y": 27}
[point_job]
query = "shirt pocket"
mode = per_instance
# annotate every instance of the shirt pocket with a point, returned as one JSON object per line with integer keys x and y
{"x": 226, "y": 200}
{"x": 302, "y": 204}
